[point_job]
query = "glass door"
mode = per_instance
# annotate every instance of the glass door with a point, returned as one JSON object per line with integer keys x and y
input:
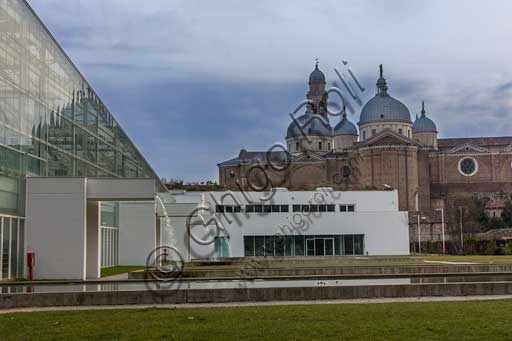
{"x": 310, "y": 247}
{"x": 320, "y": 247}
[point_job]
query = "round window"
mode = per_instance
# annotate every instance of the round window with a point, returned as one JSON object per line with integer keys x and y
{"x": 468, "y": 166}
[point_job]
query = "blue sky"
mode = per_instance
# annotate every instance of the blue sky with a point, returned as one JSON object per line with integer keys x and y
{"x": 192, "y": 82}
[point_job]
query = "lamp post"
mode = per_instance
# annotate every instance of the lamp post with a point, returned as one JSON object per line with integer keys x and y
{"x": 461, "y": 233}
{"x": 442, "y": 227}
{"x": 419, "y": 231}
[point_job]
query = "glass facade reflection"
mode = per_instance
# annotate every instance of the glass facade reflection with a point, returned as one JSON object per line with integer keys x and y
{"x": 52, "y": 123}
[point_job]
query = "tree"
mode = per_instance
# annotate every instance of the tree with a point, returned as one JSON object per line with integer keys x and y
{"x": 506, "y": 215}
{"x": 494, "y": 223}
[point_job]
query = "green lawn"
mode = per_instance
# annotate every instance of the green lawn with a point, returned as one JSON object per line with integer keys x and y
{"x": 121, "y": 269}
{"x": 261, "y": 262}
{"x": 470, "y": 320}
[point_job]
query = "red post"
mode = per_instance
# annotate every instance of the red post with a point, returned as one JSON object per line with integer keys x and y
{"x": 31, "y": 263}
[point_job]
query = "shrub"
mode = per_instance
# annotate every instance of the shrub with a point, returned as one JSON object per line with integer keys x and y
{"x": 506, "y": 249}
{"x": 491, "y": 248}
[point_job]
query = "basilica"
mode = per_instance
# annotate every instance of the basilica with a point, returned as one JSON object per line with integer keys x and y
{"x": 385, "y": 149}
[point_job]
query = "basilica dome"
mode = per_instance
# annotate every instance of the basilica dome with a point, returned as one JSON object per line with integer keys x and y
{"x": 383, "y": 107}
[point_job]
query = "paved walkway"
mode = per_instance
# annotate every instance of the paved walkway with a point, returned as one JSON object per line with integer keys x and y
{"x": 273, "y": 303}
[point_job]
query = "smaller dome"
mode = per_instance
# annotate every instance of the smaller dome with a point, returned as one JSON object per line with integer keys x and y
{"x": 312, "y": 125}
{"x": 345, "y": 127}
{"x": 423, "y": 124}
{"x": 317, "y": 76}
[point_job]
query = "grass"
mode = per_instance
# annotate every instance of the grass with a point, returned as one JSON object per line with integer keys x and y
{"x": 372, "y": 261}
{"x": 462, "y": 320}
{"x": 121, "y": 269}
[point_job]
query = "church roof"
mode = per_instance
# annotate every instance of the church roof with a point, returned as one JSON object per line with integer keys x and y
{"x": 384, "y": 107}
{"x": 501, "y": 141}
{"x": 249, "y": 157}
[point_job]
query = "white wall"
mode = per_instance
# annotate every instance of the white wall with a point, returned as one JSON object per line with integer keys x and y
{"x": 377, "y": 217}
{"x": 55, "y": 226}
{"x": 137, "y": 232}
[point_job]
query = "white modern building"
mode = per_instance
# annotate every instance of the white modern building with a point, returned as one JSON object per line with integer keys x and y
{"x": 291, "y": 223}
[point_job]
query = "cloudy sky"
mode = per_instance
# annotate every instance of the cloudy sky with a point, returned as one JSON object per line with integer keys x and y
{"x": 192, "y": 82}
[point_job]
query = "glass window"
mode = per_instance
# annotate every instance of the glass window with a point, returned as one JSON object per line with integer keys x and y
{"x": 221, "y": 247}
{"x": 313, "y": 208}
{"x": 338, "y": 245}
{"x": 259, "y": 246}
{"x": 279, "y": 245}
{"x": 229, "y": 209}
{"x": 59, "y": 163}
{"x": 299, "y": 245}
{"x": 351, "y": 208}
{"x": 248, "y": 246}
{"x": 305, "y": 208}
{"x": 349, "y": 244}
{"x": 343, "y": 208}
{"x": 289, "y": 246}
{"x": 468, "y": 166}
{"x": 284, "y": 208}
{"x": 258, "y": 208}
{"x": 5, "y": 246}
{"x": 359, "y": 244}
{"x": 269, "y": 246}
{"x": 249, "y": 208}
{"x": 296, "y": 208}
{"x": 322, "y": 208}
{"x": 330, "y": 208}
{"x": 9, "y": 195}
{"x": 110, "y": 214}
{"x": 276, "y": 208}
{"x": 237, "y": 209}
{"x": 267, "y": 208}
{"x": 219, "y": 208}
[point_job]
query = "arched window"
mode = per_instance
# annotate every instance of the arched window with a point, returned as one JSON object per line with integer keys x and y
{"x": 297, "y": 146}
{"x": 319, "y": 145}
{"x": 400, "y": 131}
{"x": 328, "y": 146}
{"x": 364, "y": 134}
